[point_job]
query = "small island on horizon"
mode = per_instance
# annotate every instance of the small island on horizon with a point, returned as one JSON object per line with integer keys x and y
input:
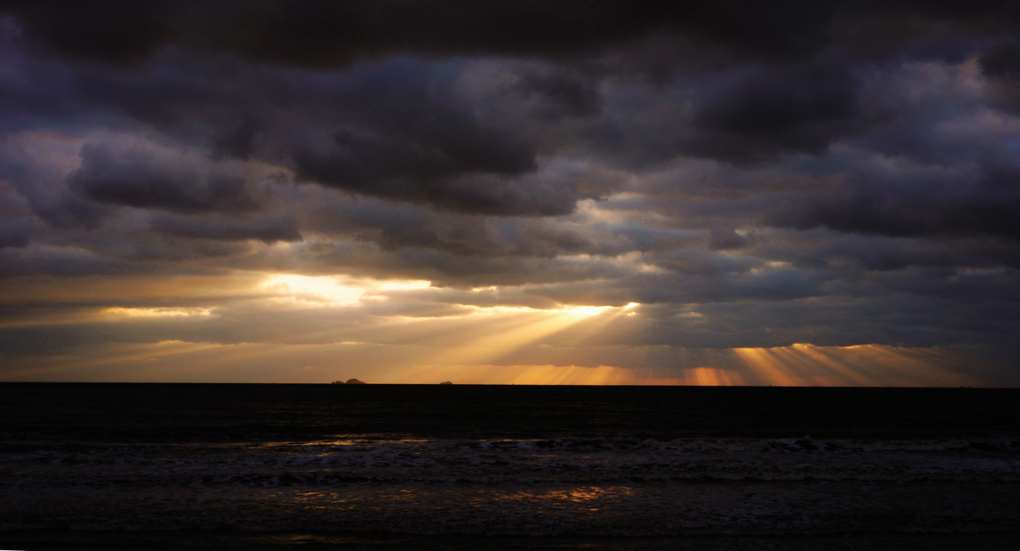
{"x": 351, "y": 381}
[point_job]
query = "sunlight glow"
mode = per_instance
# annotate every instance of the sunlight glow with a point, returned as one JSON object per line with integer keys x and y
{"x": 527, "y": 374}
{"x": 402, "y": 285}
{"x": 513, "y": 328}
{"x": 710, "y": 376}
{"x": 325, "y": 289}
{"x": 584, "y": 311}
{"x": 119, "y": 312}
{"x": 856, "y": 365}
{"x": 335, "y": 291}
{"x": 517, "y": 344}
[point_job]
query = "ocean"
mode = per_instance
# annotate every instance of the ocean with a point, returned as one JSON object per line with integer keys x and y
{"x": 516, "y": 467}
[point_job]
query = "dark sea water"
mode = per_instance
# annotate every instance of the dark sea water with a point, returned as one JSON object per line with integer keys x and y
{"x": 513, "y": 467}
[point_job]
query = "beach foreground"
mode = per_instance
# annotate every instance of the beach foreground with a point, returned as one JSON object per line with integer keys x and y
{"x": 378, "y": 466}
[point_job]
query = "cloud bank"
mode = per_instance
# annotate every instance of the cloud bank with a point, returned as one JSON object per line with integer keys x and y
{"x": 755, "y": 177}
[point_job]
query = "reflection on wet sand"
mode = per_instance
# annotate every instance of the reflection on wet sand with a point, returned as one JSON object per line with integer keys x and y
{"x": 321, "y": 501}
{"x": 579, "y": 494}
{"x": 347, "y": 440}
{"x": 579, "y": 499}
{"x": 586, "y": 498}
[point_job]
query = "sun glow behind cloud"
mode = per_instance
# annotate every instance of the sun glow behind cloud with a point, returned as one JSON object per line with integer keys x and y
{"x": 176, "y": 312}
{"x": 333, "y": 290}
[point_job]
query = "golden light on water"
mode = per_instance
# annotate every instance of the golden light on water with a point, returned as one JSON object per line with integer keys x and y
{"x": 579, "y": 495}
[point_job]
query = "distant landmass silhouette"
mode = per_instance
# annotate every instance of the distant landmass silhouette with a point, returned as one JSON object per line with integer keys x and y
{"x": 349, "y": 382}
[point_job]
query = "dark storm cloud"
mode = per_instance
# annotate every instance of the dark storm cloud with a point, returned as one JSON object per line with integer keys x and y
{"x": 266, "y": 229}
{"x": 767, "y": 111}
{"x": 923, "y": 202}
{"x": 401, "y": 129}
{"x": 858, "y": 253}
{"x": 15, "y": 233}
{"x": 142, "y": 178}
{"x": 29, "y": 170}
{"x": 408, "y": 131}
{"x": 559, "y": 93}
{"x": 1001, "y": 65}
{"x": 376, "y": 165}
{"x": 36, "y": 261}
{"x": 400, "y": 227}
{"x": 322, "y": 33}
{"x": 330, "y": 33}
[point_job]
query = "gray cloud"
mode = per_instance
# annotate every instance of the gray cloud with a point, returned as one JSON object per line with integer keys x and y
{"x": 154, "y": 179}
{"x": 266, "y": 229}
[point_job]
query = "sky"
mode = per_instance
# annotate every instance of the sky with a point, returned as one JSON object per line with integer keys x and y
{"x": 530, "y": 192}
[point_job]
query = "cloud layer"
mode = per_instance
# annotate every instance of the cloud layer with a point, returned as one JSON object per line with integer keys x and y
{"x": 754, "y": 176}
